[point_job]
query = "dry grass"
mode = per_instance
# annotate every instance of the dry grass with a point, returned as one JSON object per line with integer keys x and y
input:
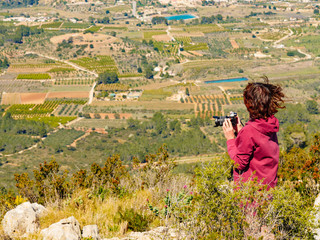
{"x": 90, "y": 210}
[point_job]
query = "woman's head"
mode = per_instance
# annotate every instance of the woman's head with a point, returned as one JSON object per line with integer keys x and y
{"x": 263, "y": 99}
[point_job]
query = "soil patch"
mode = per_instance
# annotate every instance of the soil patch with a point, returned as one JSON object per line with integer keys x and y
{"x": 32, "y": 98}
{"x": 68, "y": 95}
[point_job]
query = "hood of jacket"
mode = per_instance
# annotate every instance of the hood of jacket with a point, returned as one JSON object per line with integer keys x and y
{"x": 266, "y": 126}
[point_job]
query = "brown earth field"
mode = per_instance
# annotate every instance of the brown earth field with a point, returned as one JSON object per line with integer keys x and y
{"x": 162, "y": 38}
{"x": 153, "y": 105}
{"x": 68, "y": 95}
{"x": 234, "y": 44}
{"x": 111, "y": 115}
{"x": 36, "y": 98}
{"x": 81, "y": 38}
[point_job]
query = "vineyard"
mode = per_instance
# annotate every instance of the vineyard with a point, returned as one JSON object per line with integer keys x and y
{"x": 79, "y": 101}
{"x": 92, "y": 29}
{"x": 167, "y": 49}
{"x": 30, "y": 110}
{"x": 112, "y": 87}
{"x": 34, "y": 76}
{"x": 51, "y": 25}
{"x": 209, "y": 105}
{"x": 188, "y": 45}
{"x": 236, "y": 99}
{"x": 99, "y": 64}
{"x": 75, "y": 25}
{"x": 68, "y": 110}
{"x": 60, "y": 70}
{"x": 19, "y": 111}
{"x": 83, "y": 82}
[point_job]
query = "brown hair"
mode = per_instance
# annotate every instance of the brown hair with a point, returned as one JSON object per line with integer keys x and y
{"x": 263, "y": 99}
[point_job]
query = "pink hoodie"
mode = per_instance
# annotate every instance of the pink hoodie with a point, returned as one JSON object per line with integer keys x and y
{"x": 256, "y": 150}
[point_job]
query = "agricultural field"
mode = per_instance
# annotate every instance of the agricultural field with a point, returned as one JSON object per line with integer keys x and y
{"x": 82, "y": 82}
{"x": 99, "y": 64}
{"x": 156, "y": 94}
{"x": 75, "y": 25}
{"x": 21, "y": 111}
{"x": 68, "y": 110}
{"x": 34, "y": 76}
{"x": 148, "y": 35}
{"x": 112, "y": 87}
{"x": 92, "y": 29}
{"x": 51, "y": 25}
{"x": 208, "y": 105}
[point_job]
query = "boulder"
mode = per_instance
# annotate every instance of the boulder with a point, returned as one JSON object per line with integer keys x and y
{"x": 68, "y": 228}
{"x": 22, "y": 220}
{"x": 317, "y": 217}
{"x": 91, "y": 231}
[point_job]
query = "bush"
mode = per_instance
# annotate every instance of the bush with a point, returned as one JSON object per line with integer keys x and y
{"x": 226, "y": 211}
{"x": 136, "y": 222}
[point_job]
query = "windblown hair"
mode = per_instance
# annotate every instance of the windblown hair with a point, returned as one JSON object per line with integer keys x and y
{"x": 263, "y": 99}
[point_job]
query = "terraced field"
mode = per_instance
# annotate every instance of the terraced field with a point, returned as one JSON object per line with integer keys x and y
{"x": 209, "y": 105}
{"x": 99, "y": 64}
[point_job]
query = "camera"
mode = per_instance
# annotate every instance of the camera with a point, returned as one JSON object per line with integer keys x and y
{"x": 220, "y": 119}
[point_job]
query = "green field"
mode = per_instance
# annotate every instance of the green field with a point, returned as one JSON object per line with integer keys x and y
{"x": 51, "y": 25}
{"x": 75, "y": 25}
{"x": 99, "y": 64}
{"x": 158, "y": 94}
{"x": 148, "y": 35}
{"x": 34, "y": 76}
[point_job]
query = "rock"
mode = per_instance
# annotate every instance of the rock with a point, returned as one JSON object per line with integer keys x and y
{"x": 22, "y": 220}
{"x": 66, "y": 229}
{"x": 317, "y": 217}
{"x": 91, "y": 231}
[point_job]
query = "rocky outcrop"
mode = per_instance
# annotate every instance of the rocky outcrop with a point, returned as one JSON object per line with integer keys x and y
{"x": 317, "y": 217}
{"x": 91, "y": 231}
{"x": 22, "y": 220}
{"x": 68, "y": 228}
{"x": 159, "y": 233}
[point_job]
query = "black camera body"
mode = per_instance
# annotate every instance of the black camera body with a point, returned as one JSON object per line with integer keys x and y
{"x": 220, "y": 119}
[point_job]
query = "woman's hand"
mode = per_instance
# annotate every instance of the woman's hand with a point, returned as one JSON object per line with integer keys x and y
{"x": 238, "y": 126}
{"x": 228, "y": 129}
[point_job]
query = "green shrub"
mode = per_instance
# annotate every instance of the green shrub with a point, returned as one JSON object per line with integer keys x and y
{"x": 226, "y": 211}
{"x": 136, "y": 222}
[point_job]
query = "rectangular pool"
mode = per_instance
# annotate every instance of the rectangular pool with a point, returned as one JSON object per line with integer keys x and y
{"x": 179, "y": 17}
{"x": 227, "y": 80}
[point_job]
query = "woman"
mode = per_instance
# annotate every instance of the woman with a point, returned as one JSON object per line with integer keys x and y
{"x": 255, "y": 150}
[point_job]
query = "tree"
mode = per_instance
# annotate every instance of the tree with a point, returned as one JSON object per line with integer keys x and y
{"x": 159, "y": 20}
{"x": 160, "y": 123}
{"x": 187, "y": 92}
{"x": 107, "y": 78}
{"x": 316, "y": 11}
{"x": 312, "y": 107}
{"x": 149, "y": 73}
